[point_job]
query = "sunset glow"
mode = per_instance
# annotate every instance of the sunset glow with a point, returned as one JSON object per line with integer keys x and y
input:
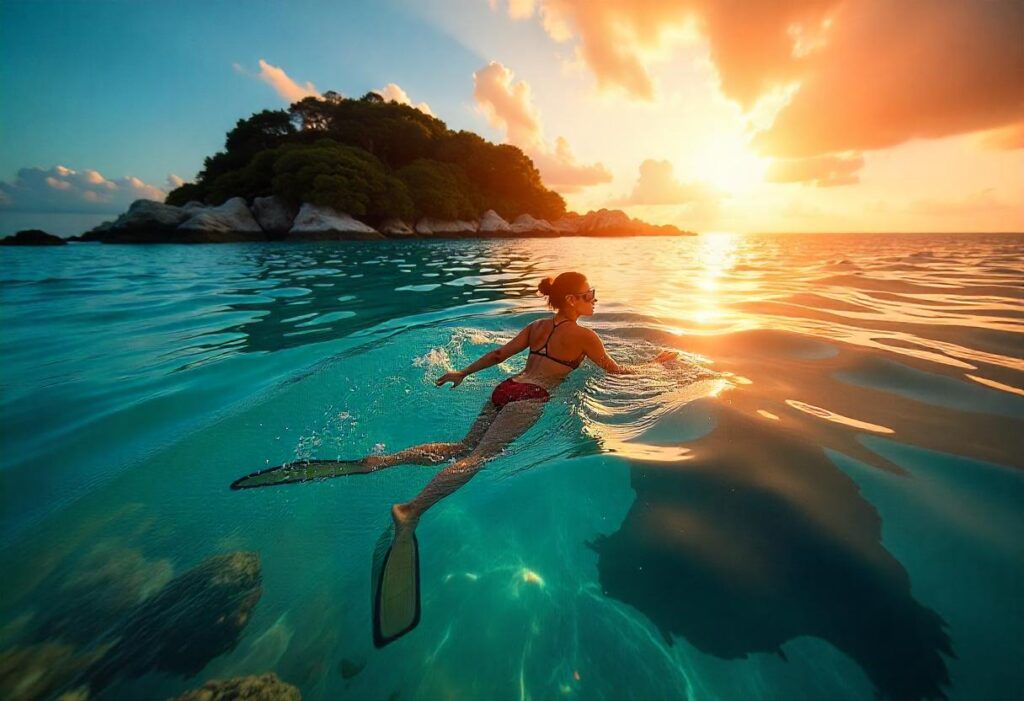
{"x": 788, "y": 117}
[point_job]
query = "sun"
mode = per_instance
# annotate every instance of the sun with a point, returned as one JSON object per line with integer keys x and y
{"x": 726, "y": 162}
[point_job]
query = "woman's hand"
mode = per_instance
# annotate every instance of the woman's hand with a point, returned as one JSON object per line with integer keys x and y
{"x": 455, "y": 377}
{"x": 665, "y": 356}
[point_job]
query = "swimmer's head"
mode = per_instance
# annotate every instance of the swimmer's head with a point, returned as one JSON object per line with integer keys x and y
{"x": 569, "y": 292}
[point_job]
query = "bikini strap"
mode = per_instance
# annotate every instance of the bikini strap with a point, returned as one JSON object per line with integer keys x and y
{"x": 543, "y": 350}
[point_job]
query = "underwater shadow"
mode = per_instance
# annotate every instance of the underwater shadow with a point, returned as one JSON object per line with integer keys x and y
{"x": 760, "y": 539}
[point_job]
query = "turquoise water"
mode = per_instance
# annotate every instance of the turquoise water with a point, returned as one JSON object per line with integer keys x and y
{"x": 822, "y": 500}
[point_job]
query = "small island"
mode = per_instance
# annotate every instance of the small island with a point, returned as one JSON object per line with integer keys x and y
{"x": 32, "y": 237}
{"x": 334, "y": 168}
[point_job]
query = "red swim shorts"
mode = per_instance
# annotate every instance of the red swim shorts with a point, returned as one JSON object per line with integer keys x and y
{"x": 512, "y": 391}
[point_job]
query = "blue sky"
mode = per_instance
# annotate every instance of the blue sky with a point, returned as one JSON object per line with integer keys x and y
{"x": 148, "y": 88}
{"x": 622, "y": 103}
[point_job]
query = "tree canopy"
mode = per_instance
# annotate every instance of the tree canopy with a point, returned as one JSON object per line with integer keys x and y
{"x": 372, "y": 159}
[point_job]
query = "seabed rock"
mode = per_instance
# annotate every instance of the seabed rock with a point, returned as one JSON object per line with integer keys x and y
{"x": 265, "y": 687}
{"x": 318, "y": 223}
{"x": 108, "y": 583}
{"x": 198, "y": 616}
{"x": 32, "y": 672}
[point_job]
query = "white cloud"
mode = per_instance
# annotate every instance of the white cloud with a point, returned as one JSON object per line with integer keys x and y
{"x": 393, "y": 93}
{"x": 62, "y": 189}
{"x": 508, "y": 105}
{"x": 657, "y": 185}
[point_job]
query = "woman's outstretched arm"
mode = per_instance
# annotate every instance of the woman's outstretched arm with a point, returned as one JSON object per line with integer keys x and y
{"x": 518, "y": 344}
{"x": 594, "y": 349}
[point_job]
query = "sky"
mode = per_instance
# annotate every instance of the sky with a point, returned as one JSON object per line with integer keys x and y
{"x": 713, "y": 115}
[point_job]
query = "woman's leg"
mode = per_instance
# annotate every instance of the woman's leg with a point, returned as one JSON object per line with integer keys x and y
{"x": 436, "y": 453}
{"x": 513, "y": 420}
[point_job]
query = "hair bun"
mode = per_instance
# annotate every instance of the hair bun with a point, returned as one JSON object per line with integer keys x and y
{"x": 545, "y": 285}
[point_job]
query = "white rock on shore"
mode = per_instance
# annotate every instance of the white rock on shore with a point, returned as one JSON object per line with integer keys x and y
{"x": 431, "y": 227}
{"x": 273, "y": 214}
{"x": 233, "y": 216}
{"x": 526, "y": 224}
{"x": 317, "y": 222}
{"x": 396, "y": 227}
{"x": 607, "y": 220}
{"x": 492, "y": 223}
{"x": 148, "y": 214}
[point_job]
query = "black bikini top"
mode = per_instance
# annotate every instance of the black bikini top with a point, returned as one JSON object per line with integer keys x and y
{"x": 543, "y": 350}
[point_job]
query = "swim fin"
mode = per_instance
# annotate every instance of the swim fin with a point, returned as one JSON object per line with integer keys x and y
{"x": 396, "y": 586}
{"x": 293, "y": 472}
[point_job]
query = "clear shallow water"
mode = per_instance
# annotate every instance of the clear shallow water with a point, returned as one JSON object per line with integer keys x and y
{"x": 821, "y": 501}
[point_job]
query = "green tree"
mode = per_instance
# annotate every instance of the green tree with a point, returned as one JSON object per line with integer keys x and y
{"x": 373, "y": 159}
{"x": 440, "y": 190}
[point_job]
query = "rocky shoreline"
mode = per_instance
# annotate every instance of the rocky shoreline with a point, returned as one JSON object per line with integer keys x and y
{"x": 271, "y": 219}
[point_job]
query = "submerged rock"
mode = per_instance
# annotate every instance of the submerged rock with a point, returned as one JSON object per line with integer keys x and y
{"x": 273, "y": 214}
{"x": 348, "y": 668}
{"x": 232, "y": 217}
{"x": 32, "y": 672}
{"x": 32, "y": 237}
{"x": 105, "y": 585}
{"x": 429, "y": 226}
{"x": 265, "y": 687}
{"x": 325, "y": 224}
{"x": 492, "y": 223}
{"x": 195, "y": 618}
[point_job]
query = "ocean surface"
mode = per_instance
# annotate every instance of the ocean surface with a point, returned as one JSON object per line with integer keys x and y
{"x": 822, "y": 499}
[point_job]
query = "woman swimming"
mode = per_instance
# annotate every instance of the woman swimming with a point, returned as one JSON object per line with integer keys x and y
{"x": 557, "y": 346}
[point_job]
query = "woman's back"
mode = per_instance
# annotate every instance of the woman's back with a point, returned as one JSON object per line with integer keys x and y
{"x": 556, "y": 348}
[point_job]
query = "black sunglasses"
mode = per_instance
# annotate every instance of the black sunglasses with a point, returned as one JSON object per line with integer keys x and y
{"x": 588, "y": 296}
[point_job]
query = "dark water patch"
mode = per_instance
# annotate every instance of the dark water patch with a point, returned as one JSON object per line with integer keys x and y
{"x": 896, "y": 378}
{"x": 759, "y": 539}
{"x": 858, "y": 282}
{"x": 815, "y": 301}
{"x": 774, "y": 380}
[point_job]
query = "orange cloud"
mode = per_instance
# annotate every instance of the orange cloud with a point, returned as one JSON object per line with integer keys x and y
{"x": 393, "y": 93}
{"x": 657, "y": 186}
{"x": 982, "y": 202}
{"x": 281, "y": 82}
{"x": 823, "y": 171}
{"x": 1005, "y": 139}
{"x": 508, "y": 105}
{"x": 870, "y": 73}
{"x": 893, "y": 71}
{"x": 517, "y": 9}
